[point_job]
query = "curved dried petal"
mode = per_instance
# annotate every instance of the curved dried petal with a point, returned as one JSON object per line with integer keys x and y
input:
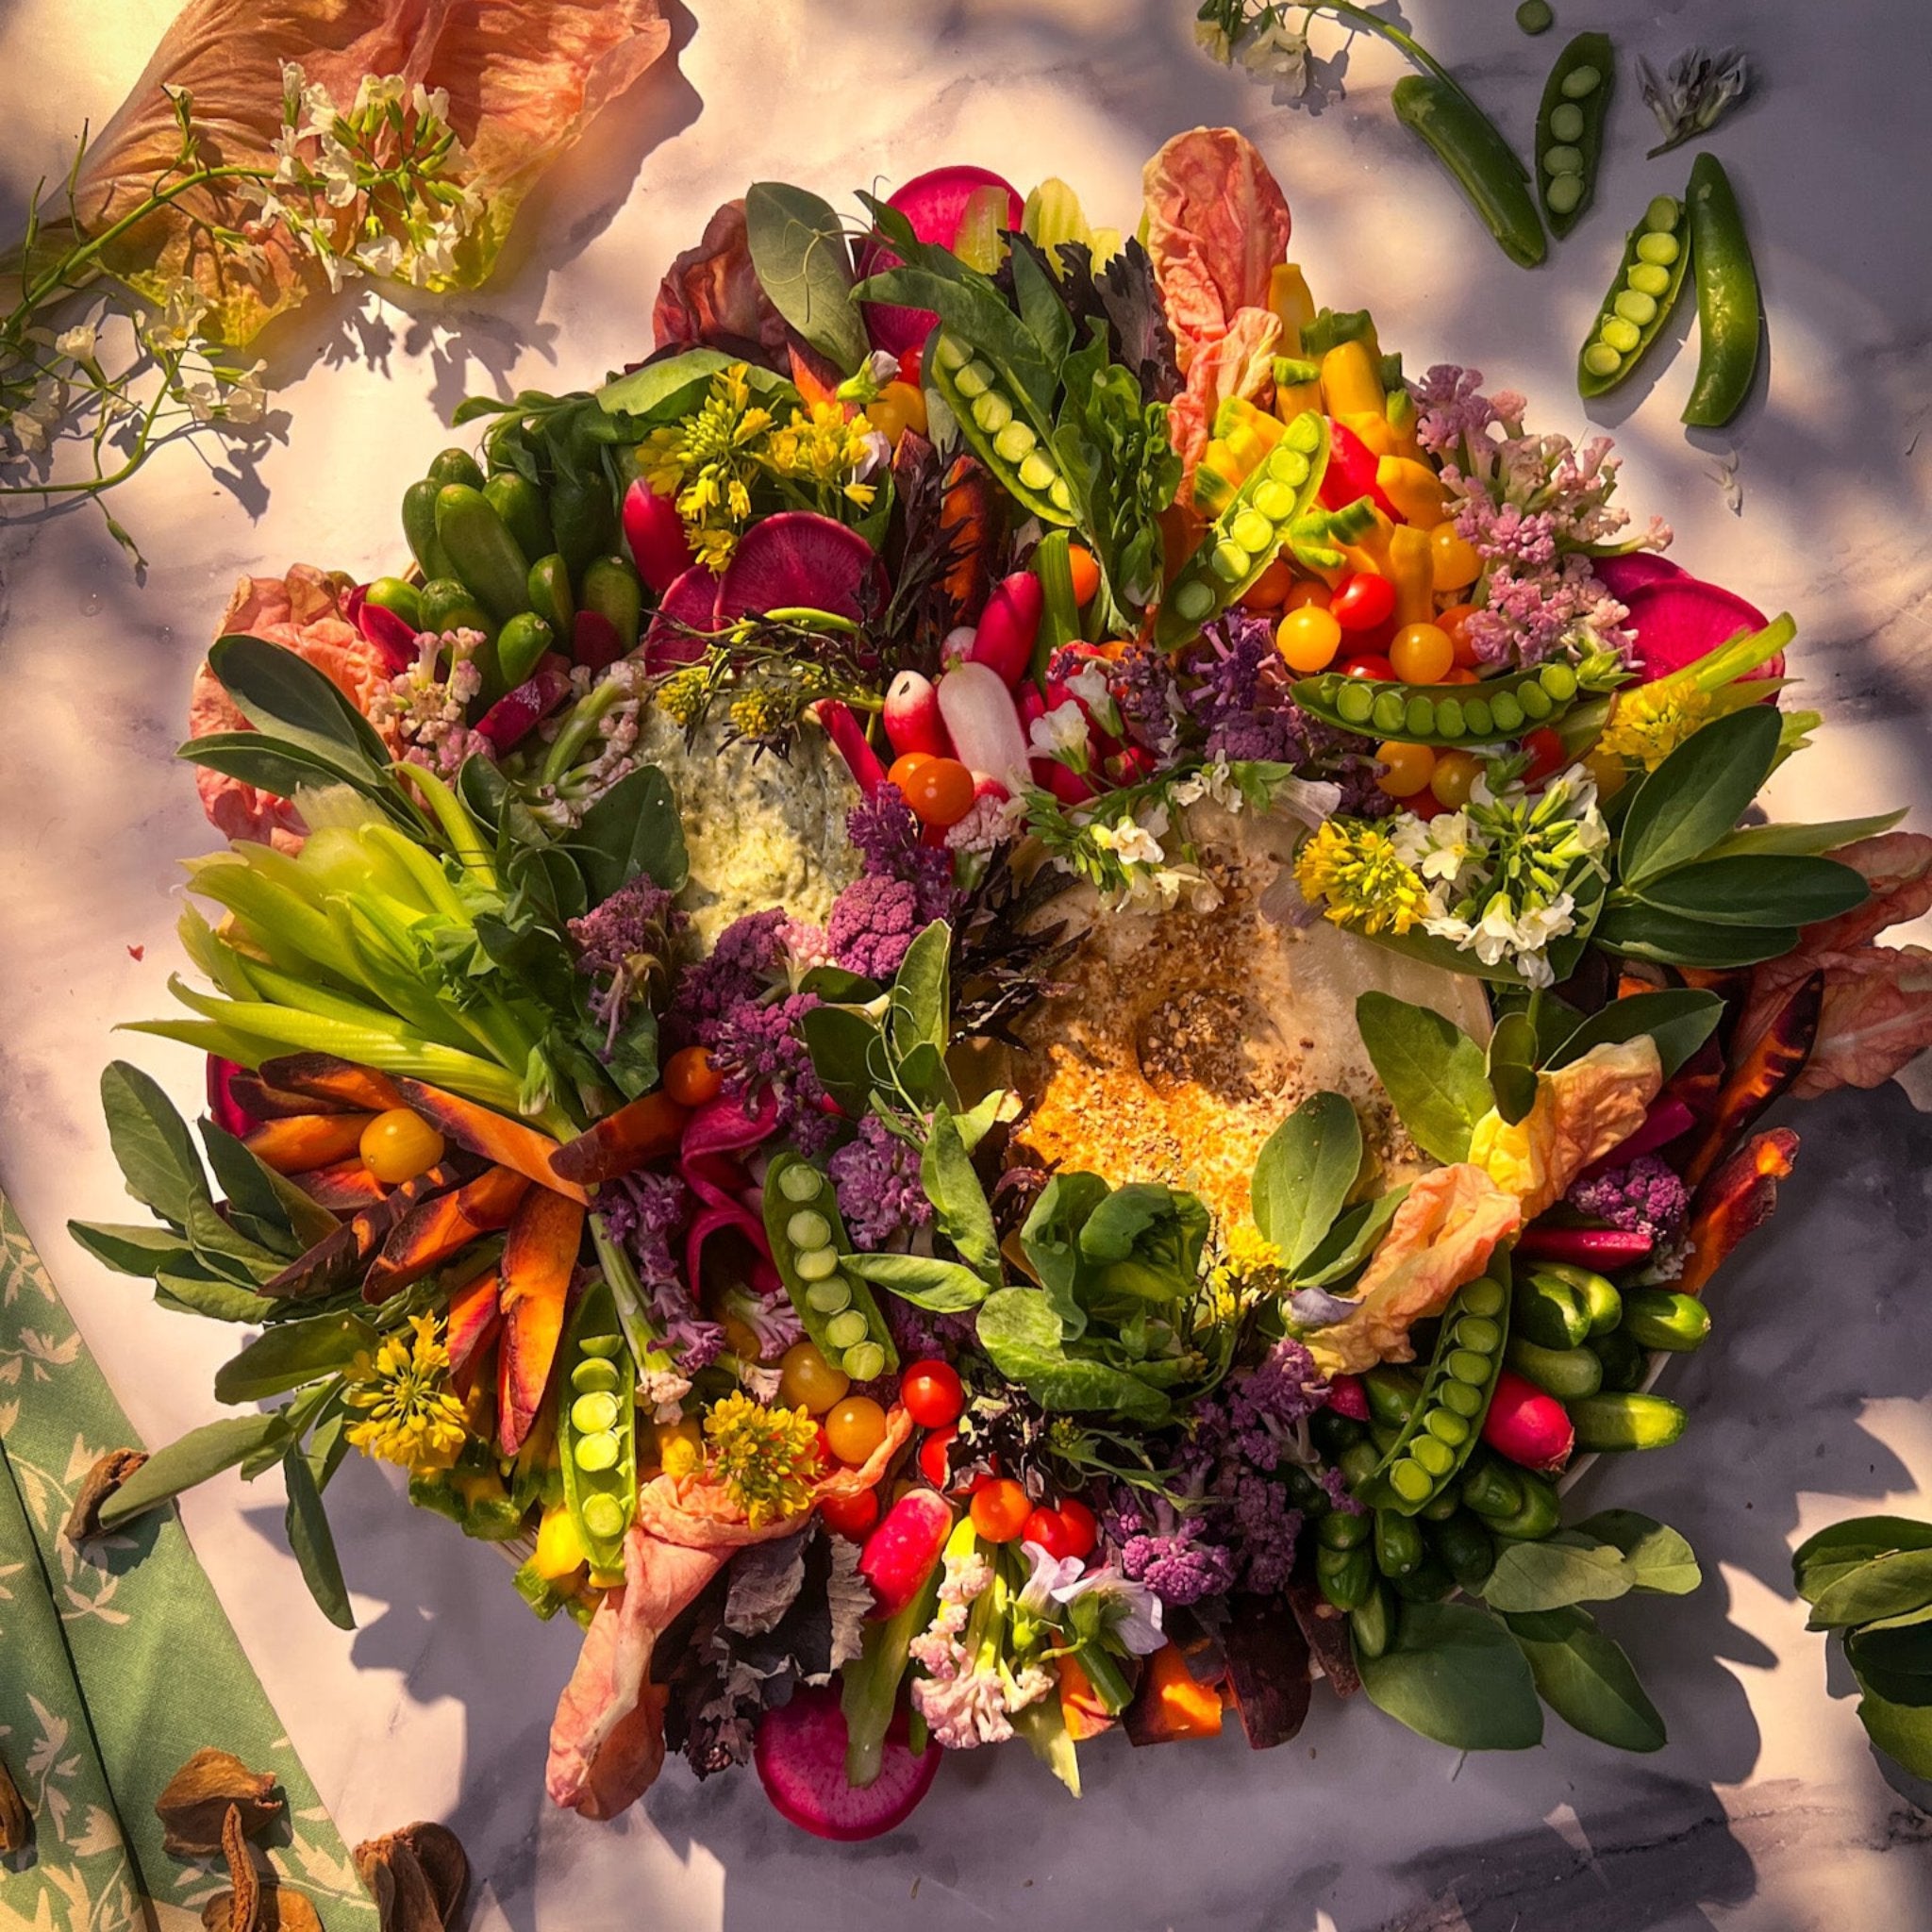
{"x": 106, "y": 1476}
{"x": 418, "y": 1876}
{"x": 710, "y": 296}
{"x": 279, "y": 1910}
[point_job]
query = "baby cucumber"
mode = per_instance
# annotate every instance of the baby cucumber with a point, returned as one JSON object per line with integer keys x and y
{"x": 1398, "y": 1541}
{"x": 1464, "y": 1547}
{"x": 1243, "y": 539}
{"x": 1570, "y": 128}
{"x": 1372, "y": 1623}
{"x": 1481, "y": 713}
{"x": 1447, "y": 1417}
{"x": 1561, "y": 1371}
{"x": 1657, "y": 254}
{"x": 1536, "y": 1517}
{"x": 486, "y": 556}
{"x": 1345, "y": 1559}
{"x": 1653, "y": 1317}
{"x": 808, "y": 1238}
{"x": 596, "y": 1431}
{"x": 996, "y": 428}
{"x": 1600, "y": 1297}
{"x": 1625, "y": 1364}
{"x": 1627, "y": 1422}
{"x": 1548, "y": 1312}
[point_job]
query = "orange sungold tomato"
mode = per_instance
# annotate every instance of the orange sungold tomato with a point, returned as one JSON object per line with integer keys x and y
{"x": 899, "y": 774}
{"x": 932, "y": 1393}
{"x": 896, "y": 408}
{"x": 690, "y": 1078}
{"x": 1271, "y": 588}
{"x": 398, "y": 1145}
{"x": 1422, "y": 653}
{"x": 1363, "y": 601}
{"x": 1608, "y": 769}
{"x": 1308, "y": 639}
{"x": 1000, "y": 1510}
{"x": 939, "y": 790}
{"x": 1456, "y": 772}
{"x": 807, "y": 1380}
{"x": 1408, "y": 767}
{"x": 1453, "y": 559}
{"x": 1083, "y": 572}
{"x": 854, "y": 1429}
{"x": 850, "y": 1516}
{"x": 1456, "y": 622}
{"x": 1305, "y": 593}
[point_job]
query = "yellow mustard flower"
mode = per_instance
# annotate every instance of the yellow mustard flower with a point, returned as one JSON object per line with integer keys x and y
{"x": 707, "y": 464}
{"x": 766, "y": 1459}
{"x": 414, "y": 1416}
{"x": 1649, "y": 722}
{"x": 823, "y": 447}
{"x": 1355, "y": 875}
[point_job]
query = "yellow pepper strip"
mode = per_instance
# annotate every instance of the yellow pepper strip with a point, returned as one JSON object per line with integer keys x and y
{"x": 1250, "y": 432}
{"x": 1373, "y": 429}
{"x": 1351, "y": 382}
{"x": 1289, "y": 297}
{"x": 1401, "y": 416}
{"x": 1414, "y": 488}
{"x": 1370, "y": 551}
{"x": 1411, "y": 570}
{"x": 559, "y": 1551}
{"x": 1297, "y": 387}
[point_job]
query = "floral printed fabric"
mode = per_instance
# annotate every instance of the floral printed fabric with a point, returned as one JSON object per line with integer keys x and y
{"x": 119, "y": 1663}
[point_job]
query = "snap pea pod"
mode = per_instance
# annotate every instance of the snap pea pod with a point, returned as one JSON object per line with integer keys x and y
{"x": 482, "y": 550}
{"x": 1560, "y": 1371}
{"x": 997, "y": 430}
{"x": 1244, "y": 539}
{"x": 1655, "y": 1318}
{"x": 1372, "y": 1622}
{"x": 1484, "y": 165}
{"x": 1447, "y": 1418}
{"x": 1440, "y": 714}
{"x": 1629, "y": 1421}
{"x": 448, "y": 604}
{"x": 455, "y": 466}
{"x": 524, "y": 515}
{"x": 612, "y": 590}
{"x": 596, "y": 1431}
{"x": 419, "y": 528}
{"x": 548, "y": 588}
{"x": 1731, "y": 312}
{"x": 1345, "y": 1559}
{"x": 1548, "y": 1312}
{"x": 807, "y": 1238}
{"x": 1570, "y": 128}
{"x": 1650, "y": 279}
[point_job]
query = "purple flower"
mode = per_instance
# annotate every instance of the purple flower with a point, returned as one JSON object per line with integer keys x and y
{"x": 877, "y": 1178}
{"x": 874, "y": 921}
{"x": 919, "y": 1336}
{"x": 1264, "y": 1409}
{"x": 637, "y": 918}
{"x": 887, "y": 837}
{"x": 1646, "y": 1197}
{"x": 1148, "y": 698}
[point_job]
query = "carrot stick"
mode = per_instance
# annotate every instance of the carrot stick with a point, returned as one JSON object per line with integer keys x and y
{"x": 322, "y": 1076}
{"x": 342, "y": 1187}
{"x": 435, "y": 1230}
{"x": 302, "y": 1142}
{"x": 1736, "y": 1199}
{"x": 540, "y": 1255}
{"x": 646, "y": 1130}
{"x": 493, "y": 1134}
{"x": 1775, "y": 1059}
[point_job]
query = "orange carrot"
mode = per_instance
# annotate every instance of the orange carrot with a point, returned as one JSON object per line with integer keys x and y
{"x": 435, "y": 1230}
{"x": 1170, "y": 1703}
{"x": 1736, "y": 1199}
{"x": 342, "y": 1187}
{"x": 335, "y": 1260}
{"x": 647, "y": 1128}
{"x": 1772, "y": 1062}
{"x": 540, "y": 1253}
{"x": 1081, "y": 1709}
{"x": 322, "y": 1076}
{"x": 969, "y": 516}
{"x": 493, "y": 1134}
{"x": 473, "y": 1318}
{"x": 305, "y": 1142}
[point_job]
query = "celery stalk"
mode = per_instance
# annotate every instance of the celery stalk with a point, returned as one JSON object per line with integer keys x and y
{"x": 294, "y": 931}
{"x": 869, "y": 1692}
{"x": 464, "y": 835}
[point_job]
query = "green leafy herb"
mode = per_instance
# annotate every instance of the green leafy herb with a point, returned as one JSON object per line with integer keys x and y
{"x": 151, "y": 1146}
{"x": 1886, "y": 1587}
{"x": 1833, "y": 1553}
{"x": 198, "y": 1455}
{"x": 1437, "y": 1077}
{"x": 1551, "y": 1575}
{"x": 945, "y": 1288}
{"x": 1697, "y": 796}
{"x": 1661, "y": 1560}
{"x": 632, "y": 829}
{"x": 1304, "y": 1173}
{"x": 313, "y": 1546}
{"x": 1454, "y": 1674}
{"x": 1586, "y": 1681}
{"x": 291, "y": 1355}
{"x": 799, "y": 250}
{"x": 1759, "y": 888}
{"x": 960, "y": 1210}
{"x": 1020, "y": 1334}
{"x": 1679, "y": 1020}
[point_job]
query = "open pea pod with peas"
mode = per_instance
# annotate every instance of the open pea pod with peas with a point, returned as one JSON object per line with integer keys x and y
{"x": 596, "y": 1432}
{"x": 808, "y": 1240}
{"x": 1441, "y": 714}
{"x": 1570, "y": 128}
{"x": 1650, "y": 278}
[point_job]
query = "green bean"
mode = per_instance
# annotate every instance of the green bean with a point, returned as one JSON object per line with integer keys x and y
{"x": 1570, "y": 128}
{"x": 1658, "y": 245}
{"x": 1439, "y": 714}
{"x": 1468, "y": 143}
{"x": 1627, "y": 1422}
{"x": 1730, "y": 312}
{"x": 807, "y": 1238}
{"x": 1653, "y": 1317}
{"x": 997, "y": 429}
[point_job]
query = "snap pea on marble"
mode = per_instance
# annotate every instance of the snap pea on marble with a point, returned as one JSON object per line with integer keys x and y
{"x": 1439, "y": 714}
{"x": 808, "y": 1238}
{"x": 998, "y": 431}
{"x": 596, "y": 1432}
{"x": 1570, "y": 128}
{"x": 1658, "y": 253}
{"x": 1731, "y": 312}
{"x": 1484, "y": 165}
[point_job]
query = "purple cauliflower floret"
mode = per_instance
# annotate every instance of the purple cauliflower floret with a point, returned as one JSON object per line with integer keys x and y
{"x": 625, "y": 944}
{"x": 887, "y": 837}
{"x": 642, "y": 1212}
{"x": 1173, "y": 1555}
{"x": 874, "y": 921}
{"x": 1266, "y": 1533}
{"x": 1647, "y": 1196}
{"x": 749, "y": 953}
{"x": 877, "y": 1178}
{"x": 1265, "y": 1408}
{"x": 1241, "y": 699}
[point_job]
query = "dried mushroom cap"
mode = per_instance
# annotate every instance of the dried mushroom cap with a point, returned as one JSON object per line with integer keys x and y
{"x": 244, "y": 1896}
{"x": 101, "y": 1481}
{"x": 16, "y": 1821}
{"x": 278, "y": 1908}
{"x": 418, "y": 1876}
{"x": 199, "y": 1796}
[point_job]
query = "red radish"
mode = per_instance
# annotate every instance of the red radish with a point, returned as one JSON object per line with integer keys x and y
{"x": 1527, "y": 1425}
{"x": 1007, "y": 626}
{"x": 594, "y": 640}
{"x": 514, "y": 716}
{"x": 1603, "y": 1248}
{"x": 1621, "y": 575}
{"x": 690, "y": 605}
{"x": 392, "y": 634}
{"x": 1677, "y": 622}
{"x": 1665, "y": 1122}
{"x": 1346, "y": 1396}
{"x": 800, "y": 1755}
{"x": 223, "y": 1108}
{"x": 900, "y": 1554}
{"x": 985, "y": 786}
{"x": 1067, "y": 785}
{"x": 799, "y": 559}
{"x": 842, "y": 727}
{"x": 655, "y": 533}
{"x": 935, "y": 203}
{"x": 911, "y": 716}
{"x": 956, "y": 647}
{"x": 981, "y": 720}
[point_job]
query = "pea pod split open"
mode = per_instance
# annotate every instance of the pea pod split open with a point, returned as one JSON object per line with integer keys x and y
{"x": 1650, "y": 278}
{"x": 1570, "y": 128}
{"x": 1440, "y": 714}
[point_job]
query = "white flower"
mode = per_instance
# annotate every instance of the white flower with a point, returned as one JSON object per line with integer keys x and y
{"x": 429, "y": 104}
{"x": 1088, "y": 684}
{"x": 1060, "y": 734}
{"x": 203, "y": 398}
{"x": 377, "y": 91}
{"x": 30, "y": 434}
{"x": 246, "y": 401}
{"x": 336, "y": 170}
{"x": 1272, "y": 52}
{"x": 182, "y": 307}
{"x": 383, "y": 255}
{"x": 1213, "y": 41}
{"x": 1131, "y": 843}
{"x": 1051, "y": 1576}
{"x": 1131, "y": 1610}
{"x": 78, "y": 342}
{"x": 878, "y": 455}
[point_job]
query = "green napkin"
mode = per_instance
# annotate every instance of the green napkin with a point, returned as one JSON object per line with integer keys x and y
{"x": 116, "y": 1663}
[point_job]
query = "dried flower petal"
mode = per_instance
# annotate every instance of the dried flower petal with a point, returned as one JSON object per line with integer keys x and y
{"x": 245, "y": 1894}
{"x": 198, "y": 1797}
{"x": 280, "y": 1908}
{"x": 100, "y": 1482}
{"x": 418, "y": 1876}
{"x": 1700, "y": 89}
{"x": 16, "y": 1821}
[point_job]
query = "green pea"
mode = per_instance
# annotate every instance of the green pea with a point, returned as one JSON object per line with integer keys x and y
{"x": 830, "y": 1295}
{"x": 993, "y": 412}
{"x": 1621, "y": 336}
{"x": 1447, "y": 1427}
{"x": 1536, "y": 16}
{"x": 1633, "y": 305}
{"x": 953, "y": 353}
{"x": 865, "y": 1361}
{"x": 593, "y": 1414}
{"x": 808, "y": 1230}
{"x": 1563, "y": 159}
{"x": 1465, "y": 1365}
{"x": 799, "y": 1182}
{"x": 1481, "y": 722}
{"x": 1409, "y": 1480}
{"x": 1580, "y": 82}
{"x": 1355, "y": 701}
{"x": 1231, "y": 562}
{"x": 1659, "y": 250}
{"x": 1037, "y": 472}
{"x": 1507, "y": 712}
{"x": 603, "y": 1516}
{"x": 1663, "y": 214}
{"x": 1276, "y": 501}
{"x": 1564, "y": 192}
{"x": 1449, "y": 719}
{"x": 1647, "y": 278}
{"x": 1193, "y": 600}
{"x": 1566, "y": 122}
{"x": 1601, "y": 359}
{"x": 1419, "y": 717}
{"x": 1482, "y": 1297}
{"x": 1302, "y": 438}
{"x": 1062, "y": 499}
{"x": 847, "y": 1329}
{"x": 1253, "y": 531}
{"x": 592, "y": 1374}
{"x": 1559, "y": 681}
{"x": 1436, "y": 1457}
{"x": 1388, "y": 712}
{"x": 815, "y": 1264}
{"x": 1480, "y": 1333}
{"x": 1014, "y": 440}
{"x": 974, "y": 379}
{"x": 598, "y": 1452}
{"x": 1535, "y": 701}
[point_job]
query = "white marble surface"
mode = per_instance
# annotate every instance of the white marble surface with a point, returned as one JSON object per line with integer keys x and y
{"x": 1767, "y": 1811}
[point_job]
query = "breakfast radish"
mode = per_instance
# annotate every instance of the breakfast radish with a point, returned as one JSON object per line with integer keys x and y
{"x": 842, "y": 727}
{"x": 1531, "y": 1428}
{"x": 514, "y": 716}
{"x": 1601, "y": 1248}
{"x": 1621, "y": 575}
{"x": 655, "y": 533}
{"x": 1009, "y": 625}
{"x": 899, "y": 1554}
{"x": 800, "y": 1755}
{"x": 982, "y": 721}
{"x": 911, "y": 716}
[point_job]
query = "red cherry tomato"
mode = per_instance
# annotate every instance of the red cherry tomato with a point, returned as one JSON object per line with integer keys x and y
{"x": 932, "y": 1393}
{"x": 1378, "y": 670}
{"x": 1001, "y": 1510}
{"x": 1046, "y": 1528}
{"x": 939, "y": 790}
{"x": 1083, "y": 1530}
{"x": 690, "y": 1078}
{"x": 1546, "y": 755}
{"x": 932, "y": 1457}
{"x": 1363, "y": 601}
{"x": 851, "y": 1516}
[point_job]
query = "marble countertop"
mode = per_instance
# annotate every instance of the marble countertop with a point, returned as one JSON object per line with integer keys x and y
{"x": 1767, "y": 1811}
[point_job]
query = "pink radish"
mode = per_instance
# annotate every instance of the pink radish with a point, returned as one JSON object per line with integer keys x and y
{"x": 1621, "y": 575}
{"x": 799, "y": 559}
{"x": 899, "y": 1554}
{"x": 690, "y": 604}
{"x": 1528, "y": 1425}
{"x": 1346, "y": 1396}
{"x": 594, "y": 640}
{"x": 1007, "y": 626}
{"x": 1666, "y": 1122}
{"x": 800, "y": 1755}
{"x": 911, "y": 716}
{"x": 514, "y": 716}
{"x": 956, "y": 647}
{"x": 935, "y": 203}
{"x": 655, "y": 533}
{"x": 842, "y": 727}
{"x": 390, "y": 634}
{"x": 1677, "y": 622}
{"x": 982, "y": 721}
{"x": 1603, "y": 1248}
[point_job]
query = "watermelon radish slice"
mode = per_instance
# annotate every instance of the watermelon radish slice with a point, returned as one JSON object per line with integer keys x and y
{"x": 223, "y": 1108}
{"x": 935, "y": 203}
{"x": 1604, "y": 1248}
{"x": 1620, "y": 576}
{"x": 693, "y": 600}
{"x": 797, "y": 559}
{"x": 800, "y": 1755}
{"x": 515, "y": 715}
{"x": 1677, "y": 622}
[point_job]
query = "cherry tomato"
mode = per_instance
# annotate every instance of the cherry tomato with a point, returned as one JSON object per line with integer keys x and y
{"x": 899, "y": 774}
{"x": 1546, "y": 755}
{"x": 850, "y": 1516}
{"x": 1083, "y": 1530}
{"x": 1308, "y": 638}
{"x": 690, "y": 1078}
{"x": 742, "y": 1339}
{"x": 1608, "y": 770}
{"x": 910, "y": 363}
{"x": 1424, "y": 803}
{"x": 1085, "y": 573}
{"x": 1458, "y": 673}
{"x": 1456, "y": 622}
{"x": 856, "y": 1428}
{"x": 1453, "y": 558}
{"x": 932, "y": 1458}
{"x": 1408, "y": 767}
{"x": 896, "y": 408}
{"x": 1303, "y": 592}
{"x": 932, "y": 1393}
{"x": 807, "y": 1380}
{"x": 940, "y": 791}
{"x": 1001, "y": 1510}
{"x": 1364, "y": 601}
{"x": 1422, "y": 653}
{"x": 398, "y": 1145}
{"x": 1044, "y": 1528}
{"x": 1377, "y": 670}
{"x": 1270, "y": 590}
{"x": 1454, "y": 773}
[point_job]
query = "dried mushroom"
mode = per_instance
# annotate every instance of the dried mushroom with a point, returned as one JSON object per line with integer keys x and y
{"x": 100, "y": 1482}
{"x": 199, "y": 1796}
{"x": 418, "y": 1876}
{"x": 279, "y": 1910}
{"x": 16, "y": 1821}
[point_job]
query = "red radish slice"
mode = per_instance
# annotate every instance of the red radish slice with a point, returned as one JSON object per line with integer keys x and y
{"x": 1667, "y": 1119}
{"x": 935, "y": 203}
{"x": 514, "y": 716}
{"x": 393, "y": 636}
{"x": 223, "y": 1108}
{"x": 799, "y": 559}
{"x": 1603, "y": 1248}
{"x": 1620, "y": 576}
{"x": 691, "y": 603}
{"x": 800, "y": 1755}
{"x": 655, "y": 533}
{"x": 1678, "y": 622}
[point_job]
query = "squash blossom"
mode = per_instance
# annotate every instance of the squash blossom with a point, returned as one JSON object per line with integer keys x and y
{"x": 1355, "y": 873}
{"x": 765, "y": 1459}
{"x": 414, "y": 1416}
